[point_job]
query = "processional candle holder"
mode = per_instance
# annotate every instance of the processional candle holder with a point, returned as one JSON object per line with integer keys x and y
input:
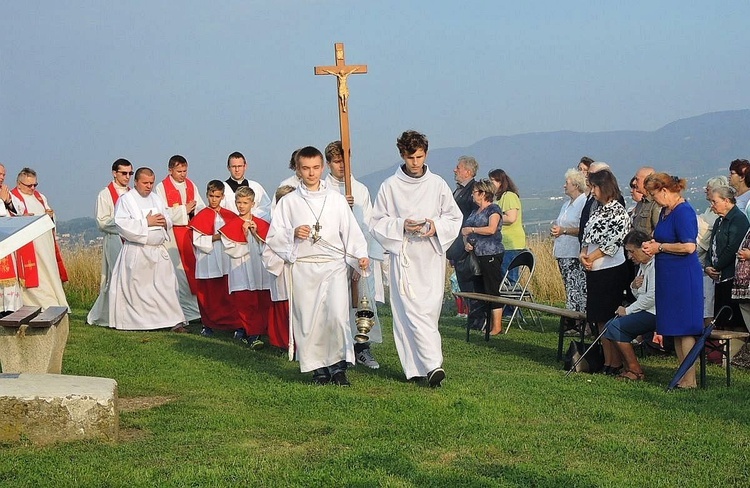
{"x": 364, "y": 319}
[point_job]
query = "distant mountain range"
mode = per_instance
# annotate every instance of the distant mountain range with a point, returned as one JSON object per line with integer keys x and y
{"x": 696, "y": 146}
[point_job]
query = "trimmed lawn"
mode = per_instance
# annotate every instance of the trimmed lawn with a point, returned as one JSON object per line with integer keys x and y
{"x": 222, "y": 415}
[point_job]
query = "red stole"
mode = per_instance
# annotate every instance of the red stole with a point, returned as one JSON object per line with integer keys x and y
{"x": 233, "y": 230}
{"x": 183, "y": 234}
{"x": 28, "y": 274}
{"x": 205, "y": 220}
{"x": 173, "y": 194}
{"x": 113, "y": 192}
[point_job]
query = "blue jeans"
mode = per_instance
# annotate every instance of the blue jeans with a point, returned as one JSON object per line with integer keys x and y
{"x": 628, "y": 327}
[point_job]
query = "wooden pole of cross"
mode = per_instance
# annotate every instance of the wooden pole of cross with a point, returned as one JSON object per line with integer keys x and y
{"x": 342, "y": 71}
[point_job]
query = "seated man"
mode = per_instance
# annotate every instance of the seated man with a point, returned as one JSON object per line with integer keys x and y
{"x": 639, "y": 317}
{"x": 143, "y": 293}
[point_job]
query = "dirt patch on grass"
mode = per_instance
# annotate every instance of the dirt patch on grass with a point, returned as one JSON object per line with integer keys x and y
{"x": 143, "y": 403}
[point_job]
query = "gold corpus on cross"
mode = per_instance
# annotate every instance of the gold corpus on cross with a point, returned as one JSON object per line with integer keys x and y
{"x": 341, "y": 71}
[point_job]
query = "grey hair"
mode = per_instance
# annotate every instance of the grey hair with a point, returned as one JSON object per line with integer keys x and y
{"x": 577, "y": 178}
{"x": 726, "y": 192}
{"x": 720, "y": 180}
{"x": 469, "y": 163}
{"x": 598, "y": 166}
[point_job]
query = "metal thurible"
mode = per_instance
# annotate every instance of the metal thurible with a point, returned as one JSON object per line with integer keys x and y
{"x": 364, "y": 320}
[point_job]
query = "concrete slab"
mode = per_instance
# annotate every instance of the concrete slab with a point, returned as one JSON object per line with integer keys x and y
{"x": 33, "y": 350}
{"x": 48, "y": 408}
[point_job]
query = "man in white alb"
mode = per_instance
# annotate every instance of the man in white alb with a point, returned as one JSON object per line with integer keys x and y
{"x": 416, "y": 219}
{"x": 143, "y": 293}
{"x": 314, "y": 231}
{"x": 122, "y": 170}
{"x": 361, "y": 206}
{"x": 183, "y": 200}
{"x": 41, "y": 270}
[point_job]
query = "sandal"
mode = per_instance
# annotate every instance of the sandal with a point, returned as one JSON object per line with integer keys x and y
{"x": 628, "y": 375}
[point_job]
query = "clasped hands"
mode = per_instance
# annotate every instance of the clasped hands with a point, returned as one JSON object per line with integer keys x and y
{"x": 424, "y": 228}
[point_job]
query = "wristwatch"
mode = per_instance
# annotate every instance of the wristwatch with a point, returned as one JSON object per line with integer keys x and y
{"x": 661, "y": 247}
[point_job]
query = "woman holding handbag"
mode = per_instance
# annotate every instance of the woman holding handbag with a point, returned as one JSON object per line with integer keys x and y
{"x": 482, "y": 234}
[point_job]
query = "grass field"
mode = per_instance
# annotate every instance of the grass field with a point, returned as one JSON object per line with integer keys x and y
{"x": 201, "y": 411}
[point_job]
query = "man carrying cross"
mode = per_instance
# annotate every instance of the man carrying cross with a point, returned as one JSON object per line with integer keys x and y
{"x": 314, "y": 231}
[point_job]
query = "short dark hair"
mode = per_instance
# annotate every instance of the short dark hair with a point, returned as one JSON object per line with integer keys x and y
{"x": 607, "y": 183}
{"x": 177, "y": 160}
{"x": 741, "y": 167}
{"x": 411, "y": 141}
{"x": 334, "y": 149}
{"x": 236, "y": 155}
{"x": 26, "y": 172}
{"x": 309, "y": 152}
{"x": 143, "y": 171}
{"x": 215, "y": 185}
{"x": 120, "y": 162}
{"x": 635, "y": 238}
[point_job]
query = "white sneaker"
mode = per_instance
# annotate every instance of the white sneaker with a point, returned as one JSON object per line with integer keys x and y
{"x": 365, "y": 358}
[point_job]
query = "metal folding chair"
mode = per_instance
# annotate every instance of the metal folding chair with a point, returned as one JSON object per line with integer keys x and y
{"x": 520, "y": 290}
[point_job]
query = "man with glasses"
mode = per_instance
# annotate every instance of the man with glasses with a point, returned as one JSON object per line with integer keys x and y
{"x": 41, "y": 271}
{"x": 122, "y": 171}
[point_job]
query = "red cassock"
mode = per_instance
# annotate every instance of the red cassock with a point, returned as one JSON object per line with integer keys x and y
{"x": 214, "y": 302}
{"x": 251, "y": 306}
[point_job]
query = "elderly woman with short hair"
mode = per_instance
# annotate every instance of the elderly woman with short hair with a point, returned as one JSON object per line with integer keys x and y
{"x": 566, "y": 246}
{"x": 679, "y": 282}
{"x": 705, "y": 226}
{"x": 726, "y": 237}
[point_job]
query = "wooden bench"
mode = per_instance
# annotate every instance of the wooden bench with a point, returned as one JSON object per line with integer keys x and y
{"x": 724, "y": 338}
{"x": 567, "y": 317}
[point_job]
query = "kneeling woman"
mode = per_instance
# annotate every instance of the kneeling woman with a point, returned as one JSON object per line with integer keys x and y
{"x": 640, "y": 316}
{"x": 483, "y": 235}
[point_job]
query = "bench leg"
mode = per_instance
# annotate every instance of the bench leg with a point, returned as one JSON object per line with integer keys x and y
{"x": 488, "y": 324}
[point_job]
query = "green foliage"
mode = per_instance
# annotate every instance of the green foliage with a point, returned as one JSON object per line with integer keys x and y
{"x": 506, "y": 416}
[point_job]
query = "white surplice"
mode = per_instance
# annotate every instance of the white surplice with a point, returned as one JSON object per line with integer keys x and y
{"x": 262, "y": 208}
{"x": 179, "y": 216}
{"x": 372, "y": 286}
{"x": 318, "y": 290}
{"x": 111, "y": 245}
{"x": 50, "y": 291}
{"x": 210, "y": 259}
{"x": 246, "y": 270}
{"x": 10, "y": 291}
{"x": 417, "y": 264}
{"x": 143, "y": 293}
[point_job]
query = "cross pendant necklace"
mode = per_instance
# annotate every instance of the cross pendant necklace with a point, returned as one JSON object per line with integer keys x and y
{"x": 316, "y": 234}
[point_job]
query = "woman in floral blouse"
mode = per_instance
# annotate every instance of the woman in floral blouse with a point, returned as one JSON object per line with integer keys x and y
{"x": 603, "y": 258}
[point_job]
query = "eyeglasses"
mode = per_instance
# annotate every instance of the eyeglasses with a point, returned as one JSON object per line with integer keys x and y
{"x": 33, "y": 185}
{"x": 126, "y": 173}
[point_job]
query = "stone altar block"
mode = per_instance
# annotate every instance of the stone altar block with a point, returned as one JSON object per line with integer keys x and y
{"x": 34, "y": 348}
{"x": 48, "y": 408}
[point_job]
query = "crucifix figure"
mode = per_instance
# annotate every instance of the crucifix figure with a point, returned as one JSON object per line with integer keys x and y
{"x": 316, "y": 234}
{"x": 341, "y": 71}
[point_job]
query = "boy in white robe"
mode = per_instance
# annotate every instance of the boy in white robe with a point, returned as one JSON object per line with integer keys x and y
{"x": 212, "y": 263}
{"x": 372, "y": 287}
{"x": 143, "y": 294}
{"x": 416, "y": 219}
{"x": 314, "y": 231}
{"x": 249, "y": 281}
{"x": 122, "y": 170}
{"x": 182, "y": 201}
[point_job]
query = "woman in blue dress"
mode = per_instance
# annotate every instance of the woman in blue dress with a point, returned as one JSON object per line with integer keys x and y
{"x": 679, "y": 276}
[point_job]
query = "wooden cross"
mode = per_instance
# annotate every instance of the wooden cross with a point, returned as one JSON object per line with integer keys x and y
{"x": 341, "y": 71}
